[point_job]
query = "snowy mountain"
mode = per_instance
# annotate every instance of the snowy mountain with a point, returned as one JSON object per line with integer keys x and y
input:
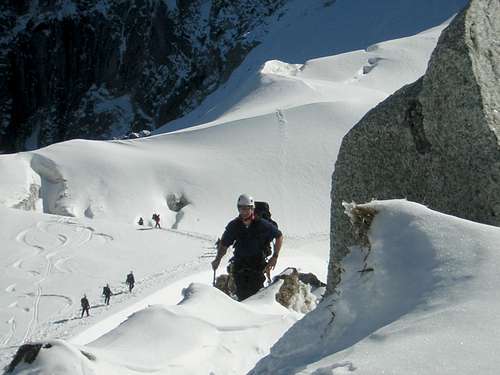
{"x": 100, "y": 69}
{"x": 273, "y": 130}
{"x": 253, "y": 143}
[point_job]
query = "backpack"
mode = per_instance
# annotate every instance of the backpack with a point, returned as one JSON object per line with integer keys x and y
{"x": 262, "y": 210}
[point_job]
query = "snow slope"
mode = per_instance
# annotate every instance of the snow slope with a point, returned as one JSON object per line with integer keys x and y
{"x": 430, "y": 306}
{"x": 50, "y": 261}
{"x": 317, "y": 29}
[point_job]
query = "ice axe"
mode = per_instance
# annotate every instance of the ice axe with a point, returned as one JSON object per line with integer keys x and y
{"x": 213, "y": 282}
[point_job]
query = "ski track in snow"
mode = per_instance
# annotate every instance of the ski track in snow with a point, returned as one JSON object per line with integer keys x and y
{"x": 64, "y": 322}
{"x": 59, "y": 264}
{"x": 49, "y": 239}
{"x": 12, "y": 330}
{"x": 283, "y": 140}
{"x": 64, "y": 326}
{"x": 199, "y": 236}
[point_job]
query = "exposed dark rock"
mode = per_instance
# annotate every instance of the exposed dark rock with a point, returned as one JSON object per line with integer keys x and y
{"x": 225, "y": 283}
{"x": 104, "y": 69}
{"x": 87, "y": 355}
{"x": 311, "y": 279}
{"x": 294, "y": 293}
{"x": 176, "y": 203}
{"x": 290, "y": 287}
{"x": 435, "y": 141}
{"x": 26, "y": 353}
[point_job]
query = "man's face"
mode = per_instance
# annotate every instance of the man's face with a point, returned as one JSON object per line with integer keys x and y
{"x": 245, "y": 212}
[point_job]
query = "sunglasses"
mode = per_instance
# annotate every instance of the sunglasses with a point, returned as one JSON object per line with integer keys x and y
{"x": 245, "y": 208}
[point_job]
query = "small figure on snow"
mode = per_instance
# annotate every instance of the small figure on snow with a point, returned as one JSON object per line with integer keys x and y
{"x": 156, "y": 218}
{"x": 141, "y": 221}
{"x": 106, "y": 292}
{"x": 130, "y": 281}
{"x": 85, "y": 305}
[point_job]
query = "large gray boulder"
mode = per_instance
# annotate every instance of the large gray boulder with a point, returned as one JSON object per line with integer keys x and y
{"x": 435, "y": 141}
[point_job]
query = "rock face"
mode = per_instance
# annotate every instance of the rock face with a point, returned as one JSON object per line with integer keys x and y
{"x": 435, "y": 141}
{"x": 97, "y": 69}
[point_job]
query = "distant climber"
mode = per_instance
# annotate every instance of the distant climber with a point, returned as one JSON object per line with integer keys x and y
{"x": 250, "y": 237}
{"x": 106, "y": 292}
{"x": 130, "y": 281}
{"x": 85, "y": 305}
{"x": 141, "y": 221}
{"x": 156, "y": 218}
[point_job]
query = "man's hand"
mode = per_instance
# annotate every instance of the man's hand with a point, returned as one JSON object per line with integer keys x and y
{"x": 221, "y": 251}
{"x": 271, "y": 263}
{"x": 215, "y": 263}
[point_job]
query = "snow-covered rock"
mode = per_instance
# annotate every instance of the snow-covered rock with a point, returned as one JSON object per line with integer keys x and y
{"x": 430, "y": 305}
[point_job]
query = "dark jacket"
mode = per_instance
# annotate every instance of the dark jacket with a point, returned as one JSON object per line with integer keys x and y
{"x": 249, "y": 241}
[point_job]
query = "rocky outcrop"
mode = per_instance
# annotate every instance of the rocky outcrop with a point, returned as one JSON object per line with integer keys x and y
{"x": 70, "y": 360}
{"x": 435, "y": 141}
{"x": 298, "y": 291}
{"x": 26, "y": 353}
{"x": 93, "y": 69}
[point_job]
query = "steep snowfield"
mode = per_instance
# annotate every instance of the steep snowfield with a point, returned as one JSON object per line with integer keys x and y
{"x": 317, "y": 29}
{"x": 429, "y": 307}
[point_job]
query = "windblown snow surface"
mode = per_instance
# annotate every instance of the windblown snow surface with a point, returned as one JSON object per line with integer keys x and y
{"x": 273, "y": 131}
{"x": 429, "y": 307}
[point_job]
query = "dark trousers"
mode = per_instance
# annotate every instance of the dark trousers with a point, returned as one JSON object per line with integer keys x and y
{"x": 130, "y": 286}
{"x": 248, "y": 276}
{"x": 85, "y": 309}
{"x": 106, "y": 299}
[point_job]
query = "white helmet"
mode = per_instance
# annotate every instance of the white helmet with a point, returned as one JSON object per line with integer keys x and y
{"x": 246, "y": 200}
